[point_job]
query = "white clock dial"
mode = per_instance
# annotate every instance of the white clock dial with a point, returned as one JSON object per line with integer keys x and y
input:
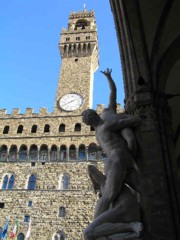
{"x": 71, "y": 101}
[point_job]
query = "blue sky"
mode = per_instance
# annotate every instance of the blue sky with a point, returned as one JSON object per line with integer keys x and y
{"x": 29, "y": 55}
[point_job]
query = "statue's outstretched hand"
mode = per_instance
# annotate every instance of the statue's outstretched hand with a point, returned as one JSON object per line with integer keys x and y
{"x": 107, "y": 73}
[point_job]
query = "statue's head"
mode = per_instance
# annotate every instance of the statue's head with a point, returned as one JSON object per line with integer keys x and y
{"x": 90, "y": 117}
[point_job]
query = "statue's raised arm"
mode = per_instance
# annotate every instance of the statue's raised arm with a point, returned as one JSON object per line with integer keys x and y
{"x": 113, "y": 92}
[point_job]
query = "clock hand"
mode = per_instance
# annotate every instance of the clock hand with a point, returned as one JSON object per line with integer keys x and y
{"x": 70, "y": 102}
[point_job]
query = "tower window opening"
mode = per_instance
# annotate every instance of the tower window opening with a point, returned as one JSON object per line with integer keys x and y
{"x": 62, "y": 128}
{"x": 30, "y": 203}
{"x": 76, "y": 59}
{"x": 47, "y": 128}
{"x": 67, "y": 39}
{"x": 6, "y": 130}
{"x": 34, "y": 129}
{"x": 81, "y": 24}
{"x": 26, "y": 218}
{"x": 88, "y": 37}
{"x": 20, "y": 129}
{"x": 77, "y": 127}
{"x": 1, "y": 205}
{"x": 78, "y": 38}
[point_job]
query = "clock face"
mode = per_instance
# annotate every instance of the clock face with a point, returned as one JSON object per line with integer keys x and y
{"x": 71, "y": 101}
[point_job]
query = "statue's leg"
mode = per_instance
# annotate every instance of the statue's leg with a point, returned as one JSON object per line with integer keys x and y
{"x": 144, "y": 187}
{"x": 116, "y": 170}
{"x": 97, "y": 178}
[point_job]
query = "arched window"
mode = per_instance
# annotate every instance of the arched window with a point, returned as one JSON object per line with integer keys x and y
{"x": 53, "y": 153}
{"x": 62, "y": 212}
{"x": 62, "y": 127}
{"x": 43, "y": 153}
{"x": 20, "y": 236}
{"x": 8, "y": 182}
{"x": 72, "y": 152}
{"x": 64, "y": 182}
{"x": 47, "y": 128}
{"x": 23, "y": 152}
{"x": 6, "y": 130}
{"x": 59, "y": 236}
{"x": 33, "y": 153}
{"x": 81, "y": 152}
{"x": 3, "y": 153}
{"x": 13, "y": 153}
{"x": 11, "y": 182}
{"x": 20, "y": 129}
{"x": 56, "y": 237}
{"x": 102, "y": 155}
{"x": 92, "y": 151}
{"x": 77, "y": 127}
{"x": 63, "y": 153}
{"x": 31, "y": 182}
{"x": 92, "y": 129}
{"x": 34, "y": 129}
{"x": 5, "y": 182}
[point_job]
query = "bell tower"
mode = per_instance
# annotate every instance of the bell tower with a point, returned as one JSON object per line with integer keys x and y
{"x": 79, "y": 52}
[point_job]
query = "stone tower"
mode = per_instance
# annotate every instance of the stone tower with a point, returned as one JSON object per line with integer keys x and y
{"x": 79, "y": 52}
{"x": 44, "y": 156}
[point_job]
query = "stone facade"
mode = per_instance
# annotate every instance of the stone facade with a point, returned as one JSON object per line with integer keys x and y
{"x": 44, "y": 156}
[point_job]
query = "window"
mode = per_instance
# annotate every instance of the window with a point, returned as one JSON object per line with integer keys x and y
{"x": 62, "y": 128}
{"x": 63, "y": 153}
{"x": 43, "y": 153}
{"x": 62, "y": 212}
{"x": 72, "y": 152}
{"x": 76, "y": 59}
{"x": 20, "y": 129}
{"x": 6, "y": 130}
{"x": 1, "y": 205}
{"x": 92, "y": 151}
{"x": 33, "y": 153}
{"x": 33, "y": 164}
{"x": 59, "y": 236}
{"x": 20, "y": 236}
{"x": 64, "y": 181}
{"x": 3, "y": 153}
{"x": 78, "y": 38}
{"x": 77, "y": 127}
{"x": 13, "y": 153}
{"x": 29, "y": 203}
{"x": 92, "y": 128}
{"x": 81, "y": 24}
{"x": 26, "y": 218}
{"x": 23, "y": 153}
{"x": 53, "y": 153}
{"x": 47, "y": 128}
{"x": 31, "y": 182}
{"x": 8, "y": 182}
{"x": 67, "y": 39}
{"x": 88, "y": 37}
{"x": 34, "y": 129}
{"x": 81, "y": 152}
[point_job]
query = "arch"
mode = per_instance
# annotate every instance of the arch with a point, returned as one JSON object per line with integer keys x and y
{"x": 92, "y": 151}
{"x": 33, "y": 153}
{"x": 34, "y": 129}
{"x": 62, "y": 211}
{"x": 43, "y": 153}
{"x": 59, "y": 236}
{"x": 6, "y": 129}
{"x": 72, "y": 152}
{"x": 23, "y": 153}
{"x": 64, "y": 181}
{"x": 3, "y": 153}
{"x": 77, "y": 127}
{"x": 13, "y": 153}
{"x": 53, "y": 153}
{"x": 46, "y": 128}
{"x": 62, "y": 127}
{"x": 21, "y": 236}
{"x": 20, "y": 129}
{"x": 82, "y": 152}
{"x": 81, "y": 23}
{"x": 11, "y": 182}
{"x": 63, "y": 153}
{"x": 31, "y": 182}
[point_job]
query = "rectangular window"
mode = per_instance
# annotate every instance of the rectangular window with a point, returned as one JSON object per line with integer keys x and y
{"x": 88, "y": 37}
{"x": 1, "y": 205}
{"x": 67, "y": 39}
{"x": 30, "y": 203}
{"x": 26, "y": 218}
{"x": 33, "y": 164}
{"x": 77, "y": 38}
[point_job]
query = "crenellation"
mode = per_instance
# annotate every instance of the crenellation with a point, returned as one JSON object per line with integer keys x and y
{"x": 29, "y": 111}
{"x": 100, "y": 108}
{"x": 3, "y": 112}
{"x": 15, "y": 112}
